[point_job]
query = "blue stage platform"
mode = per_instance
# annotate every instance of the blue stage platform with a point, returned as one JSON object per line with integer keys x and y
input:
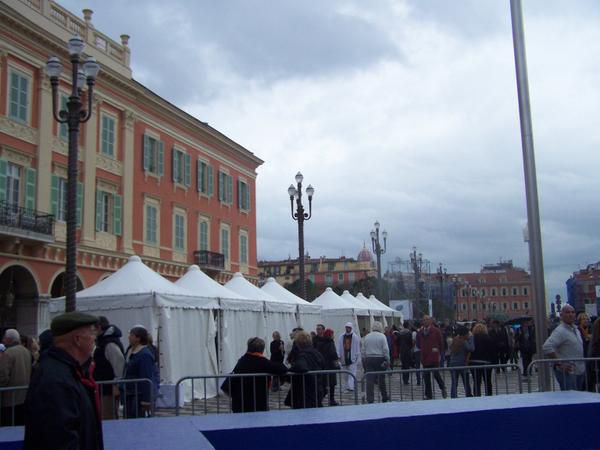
{"x": 559, "y": 420}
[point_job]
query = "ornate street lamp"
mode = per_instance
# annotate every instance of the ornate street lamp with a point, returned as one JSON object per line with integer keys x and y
{"x": 300, "y": 216}
{"x": 442, "y": 276}
{"x": 378, "y": 250}
{"x": 73, "y": 116}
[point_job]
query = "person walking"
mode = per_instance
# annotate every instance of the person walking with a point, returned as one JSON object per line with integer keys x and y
{"x": 110, "y": 361}
{"x": 306, "y": 390}
{"x": 483, "y": 355}
{"x": 430, "y": 342}
{"x": 139, "y": 363}
{"x": 249, "y": 394}
{"x": 349, "y": 351}
{"x": 61, "y": 408}
{"x": 277, "y": 349}
{"x": 376, "y": 360}
{"x": 460, "y": 349}
{"x": 15, "y": 370}
{"x": 525, "y": 341}
{"x": 565, "y": 342}
{"x": 404, "y": 343}
{"x": 324, "y": 344}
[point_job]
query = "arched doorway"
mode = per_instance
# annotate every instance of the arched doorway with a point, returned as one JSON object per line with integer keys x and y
{"x": 58, "y": 286}
{"x": 18, "y": 300}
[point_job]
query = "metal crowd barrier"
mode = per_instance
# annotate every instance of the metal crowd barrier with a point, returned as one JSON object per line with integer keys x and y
{"x": 115, "y": 407}
{"x": 11, "y": 414}
{"x": 400, "y": 384}
{"x": 564, "y": 376}
{"x": 124, "y": 400}
{"x": 296, "y": 390}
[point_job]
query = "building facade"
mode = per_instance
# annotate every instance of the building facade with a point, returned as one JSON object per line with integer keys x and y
{"x": 339, "y": 273}
{"x": 581, "y": 287}
{"x": 498, "y": 290}
{"x": 153, "y": 180}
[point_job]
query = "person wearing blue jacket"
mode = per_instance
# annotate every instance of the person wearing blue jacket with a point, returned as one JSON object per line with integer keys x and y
{"x": 139, "y": 363}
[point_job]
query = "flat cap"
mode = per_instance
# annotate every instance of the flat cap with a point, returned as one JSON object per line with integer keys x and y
{"x": 70, "y": 321}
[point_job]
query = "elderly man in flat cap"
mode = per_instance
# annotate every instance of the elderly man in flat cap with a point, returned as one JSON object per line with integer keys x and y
{"x": 61, "y": 408}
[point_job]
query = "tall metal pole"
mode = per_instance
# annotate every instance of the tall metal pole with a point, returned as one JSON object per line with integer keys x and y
{"x": 379, "y": 250}
{"x": 73, "y": 117}
{"x": 300, "y": 216}
{"x": 533, "y": 214}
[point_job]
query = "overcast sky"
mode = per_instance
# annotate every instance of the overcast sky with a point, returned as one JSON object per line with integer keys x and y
{"x": 402, "y": 111}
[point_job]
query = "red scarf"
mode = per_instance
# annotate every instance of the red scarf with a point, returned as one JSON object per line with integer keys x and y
{"x": 90, "y": 383}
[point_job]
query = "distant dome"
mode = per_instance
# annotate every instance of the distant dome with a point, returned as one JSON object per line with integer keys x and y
{"x": 365, "y": 255}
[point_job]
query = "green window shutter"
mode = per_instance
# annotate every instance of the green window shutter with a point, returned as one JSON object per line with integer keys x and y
{"x": 175, "y": 165}
{"x": 161, "y": 158}
{"x": 210, "y": 181}
{"x": 199, "y": 177}
{"x": 247, "y": 192}
{"x": 98, "y": 210}
{"x": 117, "y": 212}
{"x": 14, "y": 96}
{"x": 229, "y": 189}
{"x": 239, "y": 196}
{"x": 147, "y": 150}
{"x": 79, "y": 204}
{"x": 30, "y": 189}
{"x": 54, "y": 196}
{"x": 23, "y": 100}
{"x": 3, "y": 166}
{"x": 187, "y": 172}
{"x": 221, "y": 187}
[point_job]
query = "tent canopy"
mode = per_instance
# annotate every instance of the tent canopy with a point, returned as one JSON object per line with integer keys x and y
{"x": 330, "y": 300}
{"x": 195, "y": 280}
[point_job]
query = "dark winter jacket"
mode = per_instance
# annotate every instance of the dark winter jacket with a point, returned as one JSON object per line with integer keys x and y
{"x": 307, "y": 390}
{"x": 485, "y": 349}
{"x": 326, "y": 347}
{"x": 140, "y": 365}
{"x": 249, "y": 394}
{"x": 60, "y": 411}
{"x": 104, "y": 370}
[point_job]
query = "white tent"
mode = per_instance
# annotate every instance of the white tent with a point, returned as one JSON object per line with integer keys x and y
{"x": 240, "y": 320}
{"x": 336, "y": 311}
{"x": 308, "y": 315}
{"x": 176, "y": 318}
{"x": 390, "y": 314}
{"x": 363, "y": 309}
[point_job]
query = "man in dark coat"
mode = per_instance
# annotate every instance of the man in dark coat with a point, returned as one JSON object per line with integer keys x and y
{"x": 109, "y": 358}
{"x": 62, "y": 408}
{"x": 249, "y": 394}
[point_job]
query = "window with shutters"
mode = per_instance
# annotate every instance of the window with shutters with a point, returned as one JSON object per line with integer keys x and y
{"x": 153, "y": 157}
{"x": 204, "y": 233}
{"x": 525, "y": 291}
{"x": 243, "y": 196}
{"x": 108, "y": 212}
{"x": 181, "y": 167}
{"x": 351, "y": 277}
{"x": 151, "y": 223}
{"x": 243, "y": 248}
{"x": 225, "y": 188}
{"x": 13, "y": 184}
{"x": 225, "y": 243}
{"x": 19, "y": 95}
{"x": 205, "y": 178}
{"x": 107, "y": 135}
{"x": 60, "y": 213}
{"x": 179, "y": 231}
{"x": 328, "y": 279}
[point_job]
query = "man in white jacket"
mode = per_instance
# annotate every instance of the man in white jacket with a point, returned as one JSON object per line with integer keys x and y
{"x": 349, "y": 352}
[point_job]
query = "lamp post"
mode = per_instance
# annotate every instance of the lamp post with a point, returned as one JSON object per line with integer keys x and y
{"x": 73, "y": 116}
{"x": 442, "y": 276}
{"x": 300, "y": 216}
{"x": 378, "y": 250}
{"x": 417, "y": 262}
{"x": 457, "y": 284}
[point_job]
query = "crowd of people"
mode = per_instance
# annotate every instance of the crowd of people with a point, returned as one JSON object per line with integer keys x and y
{"x": 63, "y": 404}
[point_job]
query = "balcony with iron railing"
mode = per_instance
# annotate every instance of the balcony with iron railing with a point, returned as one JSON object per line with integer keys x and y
{"x": 209, "y": 261}
{"x": 19, "y": 222}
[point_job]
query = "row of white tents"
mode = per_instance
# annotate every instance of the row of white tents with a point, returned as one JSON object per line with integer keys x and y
{"x": 201, "y": 327}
